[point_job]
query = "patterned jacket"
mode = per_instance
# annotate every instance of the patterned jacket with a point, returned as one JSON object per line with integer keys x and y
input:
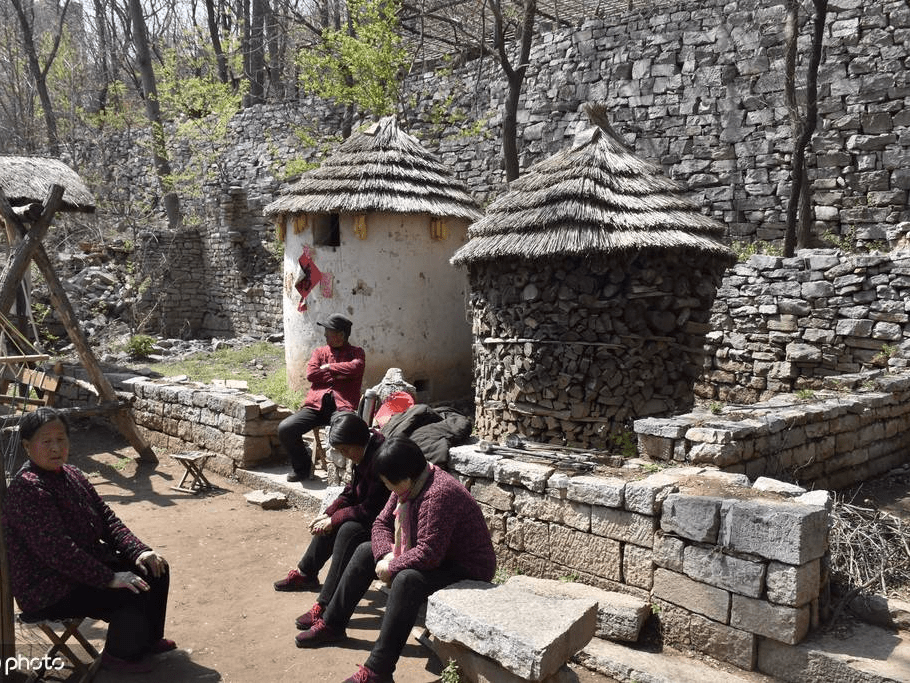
{"x": 447, "y": 526}
{"x": 59, "y": 533}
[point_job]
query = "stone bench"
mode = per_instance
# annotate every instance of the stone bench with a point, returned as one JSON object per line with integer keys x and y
{"x": 525, "y": 629}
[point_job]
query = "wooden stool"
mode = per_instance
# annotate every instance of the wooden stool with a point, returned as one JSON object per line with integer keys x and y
{"x": 193, "y": 461}
{"x": 59, "y": 632}
{"x": 318, "y": 450}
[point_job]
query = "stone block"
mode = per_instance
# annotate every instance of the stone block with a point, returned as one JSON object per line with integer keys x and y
{"x": 724, "y": 643}
{"x": 646, "y": 495}
{"x": 267, "y": 500}
{"x": 492, "y": 494}
{"x": 623, "y": 526}
{"x": 585, "y": 552}
{"x": 694, "y": 517}
{"x": 669, "y": 552}
{"x": 637, "y": 566}
{"x": 605, "y": 491}
{"x": 475, "y": 668}
{"x": 791, "y": 585}
{"x": 783, "y": 531}
{"x": 469, "y": 461}
{"x": 619, "y": 616}
{"x": 531, "y": 476}
{"x": 785, "y": 624}
{"x": 528, "y": 634}
{"x": 710, "y": 565}
{"x": 700, "y": 598}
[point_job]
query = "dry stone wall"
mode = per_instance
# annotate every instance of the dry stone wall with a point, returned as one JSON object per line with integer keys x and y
{"x": 779, "y": 325}
{"x": 696, "y": 88}
{"x": 729, "y": 566}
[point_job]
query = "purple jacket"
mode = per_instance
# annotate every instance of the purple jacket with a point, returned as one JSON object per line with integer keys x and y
{"x": 363, "y": 498}
{"x": 59, "y": 533}
{"x": 447, "y": 527}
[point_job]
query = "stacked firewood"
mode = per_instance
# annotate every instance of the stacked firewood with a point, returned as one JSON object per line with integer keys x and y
{"x": 570, "y": 352}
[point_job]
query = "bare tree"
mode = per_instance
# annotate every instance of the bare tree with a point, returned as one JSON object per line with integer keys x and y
{"x": 153, "y": 111}
{"x": 504, "y": 27}
{"x": 26, "y": 16}
{"x": 799, "y": 205}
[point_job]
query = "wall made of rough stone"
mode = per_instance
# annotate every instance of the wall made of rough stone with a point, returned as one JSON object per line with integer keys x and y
{"x": 696, "y": 88}
{"x": 784, "y": 324}
{"x": 694, "y": 543}
{"x": 856, "y": 429}
{"x": 190, "y": 416}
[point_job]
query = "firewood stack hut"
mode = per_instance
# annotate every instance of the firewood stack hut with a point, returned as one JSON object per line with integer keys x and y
{"x": 591, "y": 284}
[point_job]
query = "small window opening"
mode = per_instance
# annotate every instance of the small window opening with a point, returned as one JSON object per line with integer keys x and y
{"x": 326, "y": 231}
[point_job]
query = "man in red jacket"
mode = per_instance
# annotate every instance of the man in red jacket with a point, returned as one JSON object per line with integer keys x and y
{"x": 335, "y": 373}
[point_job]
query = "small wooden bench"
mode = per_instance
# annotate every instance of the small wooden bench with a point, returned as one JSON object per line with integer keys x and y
{"x": 193, "y": 462}
{"x": 59, "y": 632}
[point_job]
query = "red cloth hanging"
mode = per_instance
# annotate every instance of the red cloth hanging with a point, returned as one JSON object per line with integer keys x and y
{"x": 309, "y": 278}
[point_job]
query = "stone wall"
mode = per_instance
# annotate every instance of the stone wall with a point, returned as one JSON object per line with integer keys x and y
{"x": 696, "y": 89}
{"x": 780, "y": 325}
{"x": 728, "y": 566}
{"x": 855, "y": 430}
{"x": 189, "y": 416}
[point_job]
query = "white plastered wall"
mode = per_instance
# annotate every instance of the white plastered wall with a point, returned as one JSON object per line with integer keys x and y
{"x": 406, "y": 302}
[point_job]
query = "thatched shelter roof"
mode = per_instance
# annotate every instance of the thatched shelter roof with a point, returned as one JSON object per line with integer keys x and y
{"x": 379, "y": 169}
{"x": 27, "y": 180}
{"x": 596, "y": 197}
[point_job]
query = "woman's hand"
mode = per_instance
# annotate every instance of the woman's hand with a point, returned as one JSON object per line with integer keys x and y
{"x": 151, "y": 561}
{"x": 382, "y": 569}
{"x": 129, "y": 581}
{"x": 321, "y": 526}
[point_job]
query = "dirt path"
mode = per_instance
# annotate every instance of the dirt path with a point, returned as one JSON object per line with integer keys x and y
{"x": 229, "y": 623}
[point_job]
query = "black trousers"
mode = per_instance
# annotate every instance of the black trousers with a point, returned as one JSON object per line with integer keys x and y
{"x": 340, "y": 546}
{"x": 135, "y": 620}
{"x": 292, "y": 428}
{"x": 410, "y": 589}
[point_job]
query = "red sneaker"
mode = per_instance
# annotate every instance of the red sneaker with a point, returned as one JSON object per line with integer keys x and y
{"x": 320, "y": 633}
{"x": 305, "y": 621}
{"x": 163, "y": 645}
{"x": 365, "y": 675}
{"x": 295, "y": 581}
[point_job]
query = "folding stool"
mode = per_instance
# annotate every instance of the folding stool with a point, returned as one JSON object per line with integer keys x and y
{"x": 59, "y": 632}
{"x": 193, "y": 462}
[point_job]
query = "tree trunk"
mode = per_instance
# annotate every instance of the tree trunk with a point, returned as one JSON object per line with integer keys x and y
{"x": 257, "y": 53}
{"x": 799, "y": 206}
{"x": 39, "y": 74}
{"x": 153, "y": 112}
{"x": 215, "y": 37}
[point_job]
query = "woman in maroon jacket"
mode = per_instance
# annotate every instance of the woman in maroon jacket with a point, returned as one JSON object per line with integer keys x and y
{"x": 71, "y": 556}
{"x": 430, "y": 534}
{"x": 347, "y": 521}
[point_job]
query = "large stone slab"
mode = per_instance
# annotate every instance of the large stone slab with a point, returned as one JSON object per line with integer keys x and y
{"x": 619, "y": 616}
{"x": 528, "y": 634}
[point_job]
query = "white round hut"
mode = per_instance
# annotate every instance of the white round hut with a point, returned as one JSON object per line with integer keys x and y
{"x": 369, "y": 235}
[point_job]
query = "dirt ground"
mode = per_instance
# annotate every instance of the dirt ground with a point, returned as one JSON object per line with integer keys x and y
{"x": 229, "y": 623}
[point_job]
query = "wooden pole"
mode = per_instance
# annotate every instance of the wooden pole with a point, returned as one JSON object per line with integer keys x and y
{"x": 122, "y": 419}
{"x": 7, "y": 618}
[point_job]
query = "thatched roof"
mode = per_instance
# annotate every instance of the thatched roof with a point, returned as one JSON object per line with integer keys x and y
{"x": 595, "y": 198}
{"x": 26, "y": 180}
{"x": 379, "y": 169}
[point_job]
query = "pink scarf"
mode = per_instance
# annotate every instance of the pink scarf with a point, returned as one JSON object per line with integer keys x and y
{"x": 403, "y": 540}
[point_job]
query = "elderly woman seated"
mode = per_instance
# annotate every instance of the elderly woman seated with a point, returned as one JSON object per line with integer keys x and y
{"x": 70, "y": 556}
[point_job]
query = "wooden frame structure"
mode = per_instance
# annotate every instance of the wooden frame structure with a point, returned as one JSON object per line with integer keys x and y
{"x": 54, "y": 179}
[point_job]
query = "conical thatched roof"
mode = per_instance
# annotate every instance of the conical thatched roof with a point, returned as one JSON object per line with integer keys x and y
{"x": 595, "y": 198}
{"x": 26, "y": 180}
{"x": 379, "y": 169}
